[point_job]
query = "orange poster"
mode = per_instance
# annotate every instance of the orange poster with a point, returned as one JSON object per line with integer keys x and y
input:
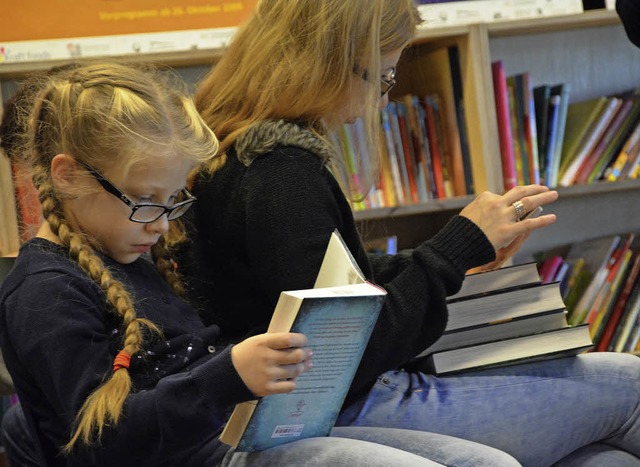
{"x": 56, "y": 19}
{"x": 41, "y": 30}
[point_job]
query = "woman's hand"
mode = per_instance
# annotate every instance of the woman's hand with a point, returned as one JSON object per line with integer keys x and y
{"x": 498, "y": 218}
{"x": 270, "y": 363}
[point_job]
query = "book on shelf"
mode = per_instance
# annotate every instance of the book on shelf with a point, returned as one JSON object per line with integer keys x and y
{"x": 541, "y": 96}
{"x": 615, "y": 145}
{"x": 609, "y": 137}
{"x": 438, "y": 146}
{"x": 562, "y": 90}
{"x": 436, "y": 69}
{"x": 408, "y": 151}
{"x": 396, "y": 138}
{"x": 523, "y": 81}
{"x": 580, "y": 117}
{"x": 626, "y": 338}
{"x": 517, "y": 134}
{"x": 458, "y": 98}
{"x": 590, "y": 139}
{"x": 352, "y": 169}
{"x": 420, "y": 113}
{"x": 391, "y": 156}
{"x": 600, "y": 312}
{"x": 607, "y": 340}
{"x": 549, "y": 268}
{"x": 382, "y": 245}
{"x": 501, "y": 94}
{"x": 625, "y": 161}
{"x": 338, "y": 321}
{"x": 556, "y": 343}
{"x": 416, "y": 132}
{"x": 597, "y": 254}
{"x": 551, "y": 140}
{"x": 365, "y": 162}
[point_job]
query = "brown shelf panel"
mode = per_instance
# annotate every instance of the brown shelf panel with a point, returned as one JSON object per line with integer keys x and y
{"x": 454, "y": 204}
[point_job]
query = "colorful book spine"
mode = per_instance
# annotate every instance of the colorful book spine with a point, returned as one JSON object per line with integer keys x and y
{"x": 393, "y": 157}
{"x": 509, "y": 175}
{"x": 563, "y": 90}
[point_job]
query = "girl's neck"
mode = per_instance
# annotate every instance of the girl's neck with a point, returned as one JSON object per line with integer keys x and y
{"x": 45, "y": 232}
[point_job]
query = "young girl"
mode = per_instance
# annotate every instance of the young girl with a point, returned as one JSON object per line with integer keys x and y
{"x": 111, "y": 366}
{"x": 294, "y": 72}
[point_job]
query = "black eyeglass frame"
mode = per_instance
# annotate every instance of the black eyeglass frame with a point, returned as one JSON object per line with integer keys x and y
{"x": 112, "y": 189}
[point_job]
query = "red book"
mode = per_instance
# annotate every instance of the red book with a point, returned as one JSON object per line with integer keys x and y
{"x": 619, "y": 307}
{"x": 504, "y": 125}
{"x": 549, "y": 268}
{"x": 434, "y": 147}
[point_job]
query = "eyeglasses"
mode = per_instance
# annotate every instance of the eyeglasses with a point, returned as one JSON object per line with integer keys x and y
{"x": 387, "y": 81}
{"x": 143, "y": 213}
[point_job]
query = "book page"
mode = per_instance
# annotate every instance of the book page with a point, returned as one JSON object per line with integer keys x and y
{"x": 338, "y": 266}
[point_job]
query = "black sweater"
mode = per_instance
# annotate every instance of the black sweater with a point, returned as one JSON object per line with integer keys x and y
{"x": 262, "y": 224}
{"x": 59, "y": 341}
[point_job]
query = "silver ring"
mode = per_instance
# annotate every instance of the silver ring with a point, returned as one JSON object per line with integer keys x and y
{"x": 519, "y": 207}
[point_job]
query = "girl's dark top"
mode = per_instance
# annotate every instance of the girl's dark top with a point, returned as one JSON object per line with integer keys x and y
{"x": 262, "y": 224}
{"x": 59, "y": 340}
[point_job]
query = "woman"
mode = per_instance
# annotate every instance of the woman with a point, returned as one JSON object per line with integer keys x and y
{"x": 290, "y": 76}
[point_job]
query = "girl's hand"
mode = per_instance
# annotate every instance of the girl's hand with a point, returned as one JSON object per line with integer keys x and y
{"x": 270, "y": 363}
{"x": 497, "y": 218}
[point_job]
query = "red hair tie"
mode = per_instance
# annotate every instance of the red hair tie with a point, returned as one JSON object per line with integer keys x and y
{"x": 122, "y": 360}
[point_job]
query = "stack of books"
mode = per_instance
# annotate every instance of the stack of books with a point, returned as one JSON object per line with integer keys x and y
{"x": 504, "y": 317}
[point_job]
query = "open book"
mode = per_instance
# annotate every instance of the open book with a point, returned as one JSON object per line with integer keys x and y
{"x": 338, "y": 321}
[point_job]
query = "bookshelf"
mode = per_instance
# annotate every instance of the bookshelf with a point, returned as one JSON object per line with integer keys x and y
{"x": 554, "y": 49}
{"x": 588, "y": 50}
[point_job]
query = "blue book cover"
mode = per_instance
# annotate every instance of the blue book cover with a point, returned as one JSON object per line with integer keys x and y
{"x": 338, "y": 322}
{"x": 563, "y": 91}
{"x": 552, "y": 134}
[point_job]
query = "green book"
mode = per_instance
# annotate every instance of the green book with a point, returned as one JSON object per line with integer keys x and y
{"x": 580, "y": 116}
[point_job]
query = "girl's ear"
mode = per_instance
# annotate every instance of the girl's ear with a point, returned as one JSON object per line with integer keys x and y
{"x": 64, "y": 172}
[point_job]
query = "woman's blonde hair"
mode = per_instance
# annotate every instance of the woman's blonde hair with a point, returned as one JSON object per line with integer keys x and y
{"x": 110, "y": 115}
{"x": 296, "y": 60}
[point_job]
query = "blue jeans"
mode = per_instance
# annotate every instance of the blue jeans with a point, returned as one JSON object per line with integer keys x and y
{"x": 570, "y": 411}
{"x": 351, "y": 446}
{"x": 384, "y": 447}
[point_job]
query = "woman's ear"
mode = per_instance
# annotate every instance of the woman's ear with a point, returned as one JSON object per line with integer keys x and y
{"x": 64, "y": 172}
